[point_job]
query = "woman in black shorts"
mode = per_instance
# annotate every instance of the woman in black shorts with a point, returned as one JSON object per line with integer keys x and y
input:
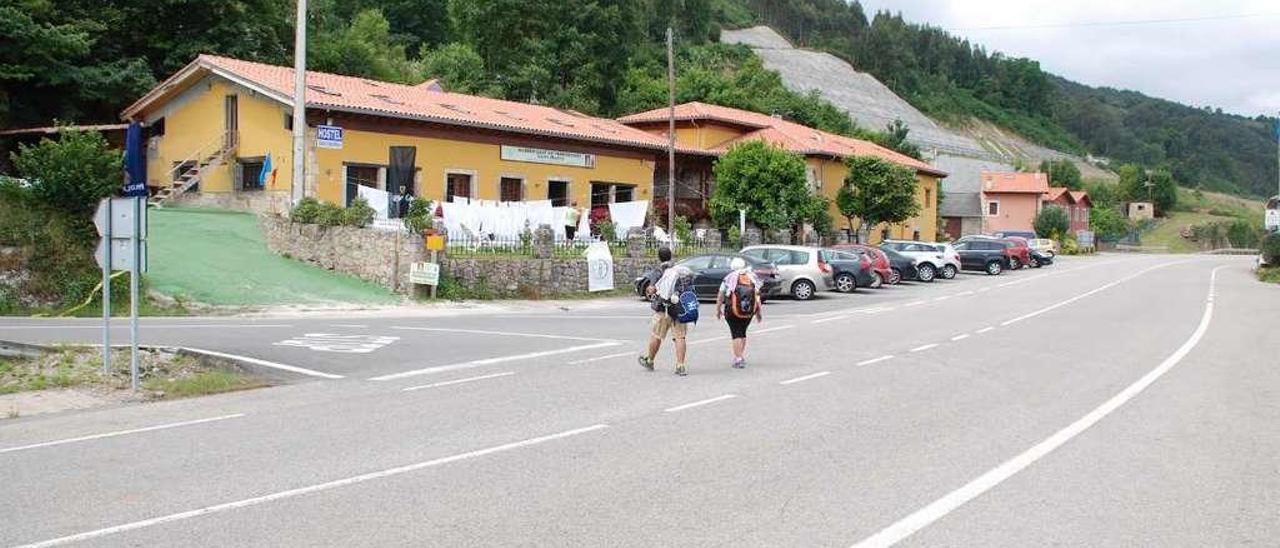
{"x": 738, "y": 302}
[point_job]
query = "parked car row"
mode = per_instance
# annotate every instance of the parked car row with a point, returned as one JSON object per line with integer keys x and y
{"x": 801, "y": 272}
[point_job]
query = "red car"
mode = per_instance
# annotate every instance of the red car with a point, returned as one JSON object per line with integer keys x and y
{"x": 1019, "y": 253}
{"x": 881, "y": 270}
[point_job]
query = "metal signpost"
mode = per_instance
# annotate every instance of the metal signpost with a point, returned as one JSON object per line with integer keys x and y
{"x": 122, "y": 222}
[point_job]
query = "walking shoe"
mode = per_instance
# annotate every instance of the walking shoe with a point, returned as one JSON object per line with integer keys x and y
{"x": 680, "y": 370}
{"x": 739, "y": 363}
{"x": 646, "y": 363}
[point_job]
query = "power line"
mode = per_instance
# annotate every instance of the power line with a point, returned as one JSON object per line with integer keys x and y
{"x": 1134, "y": 22}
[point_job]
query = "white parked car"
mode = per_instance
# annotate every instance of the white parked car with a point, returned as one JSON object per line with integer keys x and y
{"x": 932, "y": 260}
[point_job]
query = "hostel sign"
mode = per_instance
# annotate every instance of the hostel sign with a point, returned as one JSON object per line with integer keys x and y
{"x": 546, "y": 156}
{"x": 329, "y": 137}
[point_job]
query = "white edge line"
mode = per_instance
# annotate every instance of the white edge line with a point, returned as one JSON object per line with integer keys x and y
{"x": 699, "y": 403}
{"x": 264, "y": 363}
{"x": 459, "y": 381}
{"x": 921, "y": 518}
{"x": 772, "y": 329}
{"x": 805, "y": 378}
{"x": 310, "y": 489}
{"x": 490, "y": 361}
{"x": 502, "y": 333}
{"x": 984, "y": 330}
{"x": 924, "y": 347}
{"x": 876, "y": 360}
{"x": 119, "y": 433}
{"x": 960, "y": 337}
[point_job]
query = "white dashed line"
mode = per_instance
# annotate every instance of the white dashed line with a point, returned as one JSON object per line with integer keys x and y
{"x": 459, "y": 381}
{"x": 600, "y": 358}
{"x": 942, "y": 298}
{"x": 831, "y": 319}
{"x": 960, "y": 337}
{"x": 984, "y": 330}
{"x": 489, "y": 361}
{"x": 964, "y": 293}
{"x": 913, "y": 303}
{"x": 922, "y": 348}
{"x": 501, "y": 333}
{"x": 772, "y": 329}
{"x": 118, "y": 433}
{"x": 806, "y": 377}
{"x": 699, "y": 403}
{"x": 264, "y": 363}
{"x": 876, "y": 360}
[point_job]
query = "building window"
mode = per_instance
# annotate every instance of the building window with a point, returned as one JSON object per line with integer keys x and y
{"x": 928, "y": 198}
{"x": 288, "y": 121}
{"x": 457, "y": 185}
{"x": 510, "y": 189}
{"x": 249, "y": 171}
{"x": 601, "y": 194}
{"x": 156, "y": 129}
{"x": 623, "y": 193}
{"x": 558, "y": 193}
{"x": 993, "y": 209}
{"x": 359, "y": 175}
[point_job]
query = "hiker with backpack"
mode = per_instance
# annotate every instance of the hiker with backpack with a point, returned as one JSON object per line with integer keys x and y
{"x": 738, "y": 302}
{"x": 675, "y": 306}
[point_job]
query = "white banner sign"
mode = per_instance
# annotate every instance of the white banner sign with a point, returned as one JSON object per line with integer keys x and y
{"x": 599, "y": 267}
{"x": 544, "y": 156}
{"x": 1273, "y": 219}
{"x": 424, "y": 273}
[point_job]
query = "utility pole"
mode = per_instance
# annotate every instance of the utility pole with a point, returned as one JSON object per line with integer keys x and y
{"x": 300, "y": 102}
{"x": 671, "y": 138}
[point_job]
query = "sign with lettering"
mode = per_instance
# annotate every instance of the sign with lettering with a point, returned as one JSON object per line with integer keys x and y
{"x": 545, "y": 156}
{"x": 424, "y": 273}
{"x": 1272, "y": 220}
{"x": 329, "y": 137}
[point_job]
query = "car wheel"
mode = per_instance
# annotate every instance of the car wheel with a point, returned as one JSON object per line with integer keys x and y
{"x": 803, "y": 290}
{"x": 876, "y": 281}
{"x": 845, "y": 283}
{"x": 1015, "y": 263}
{"x": 642, "y": 289}
{"x": 994, "y": 268}
{"x": 926, "y": 272}
{"x": 949, "y": 272}
{"x": 1035, "y": 263}
{"x": 1051, "y": 254}
{"x": 895, "y": 276}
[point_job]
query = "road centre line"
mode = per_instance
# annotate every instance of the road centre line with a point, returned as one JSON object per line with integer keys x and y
{"x": 503, "y": 333}
{"x": 832, "y": 319}
{"x": 964, "y": 293}
{"x": 939, "y": 508}
{"x": 772, "y": 329}
{"x": 923, "y": 347}
{"x": 875, "y": 360}
{"x": 805, "y": 378}
{"x": 699, "y": 403}
{"x": 601, "y": 358}
{"x": 490, "y": 361}
{"x": 960, "y": 337}
{"x": 264, "y": 363}
{"x": 459, "y": 381}
{"x": 1087, "y": 293}
{"x": 984, "y": 330}
{"x": 119, "y": 433}
{"x": 943, "y": 298}
{"x": 913, "y": 303}
{"x": 290, "y": 493}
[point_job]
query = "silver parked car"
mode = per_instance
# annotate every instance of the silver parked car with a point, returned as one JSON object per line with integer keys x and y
{"x": 802, "y": 269}
{"x": 932, "y": 260}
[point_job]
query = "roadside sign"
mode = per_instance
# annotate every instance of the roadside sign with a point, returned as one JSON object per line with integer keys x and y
{"x": 1272, "y": 220}
{"x": 120, "y": 215}
{"x": 424, "y": 273}
{"x": 121, "y": 254}
{"x": 435, "y": 243}
{"x": 1084, "y": 238}
{"x": 329, "y": 137}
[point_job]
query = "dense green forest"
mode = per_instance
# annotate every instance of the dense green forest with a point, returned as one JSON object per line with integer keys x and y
{"x": 952, "y": 79}
{"x": 84, "y": 60}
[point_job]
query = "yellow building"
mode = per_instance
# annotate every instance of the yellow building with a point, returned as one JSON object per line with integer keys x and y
{"x": 215, "y": 123}
{"x": 704, "y": 132}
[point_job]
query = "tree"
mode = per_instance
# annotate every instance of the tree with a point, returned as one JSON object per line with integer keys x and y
{"x": 1108, "y": 223}
{"x": 71, "y": 174}
{"x": 768, "y": 182}
{"x": 1052, "y": 222}
{"x": 1062, "y": 172}
{"x": 877, "y": 191}
{"x": 364, "y": 49}
{"x": 1164, "y": 191}
{"x": 895, "y": 138}
{"x": 458, "y": 67}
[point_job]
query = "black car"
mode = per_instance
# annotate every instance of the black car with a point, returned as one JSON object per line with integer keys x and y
{"x": 983, "y": 254}
{"x": 850, "y": 268}
{"x": 903, "y": 267}
{"x": 1040, "y": 258}
{"x": 711, "y": 268}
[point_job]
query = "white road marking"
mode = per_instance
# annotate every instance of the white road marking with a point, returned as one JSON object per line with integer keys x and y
{"x": 712, "y": 339}
{"x": 119, "y": 433}
{"x": 942, "y": 298}
{"x": 601, "y": 358}
{"x": 120, "y": 324}
{"x": 699, "y": 403}
{"x": 806, "y": 377}
{"x": 964, "y": 293}
{"x": 924, "y": 347}
{"x": 459, "y": 381}
{"x": 264, "y": 363}
{"x": 772, "y": 329}
{"x": 984, "y": 330}
{"x": 913, "y": 303}
{"x": 876, "y": 360}
{"x": 1087, "y": 293}
{"x": 937, "y": 509}
{"x": 332, "y": 342}
{"x": 244, "y": 503}
{"x": 960, "y": 337}
{"x": 980, "y": 290}
{"x": 490, "y": 361}
{"x": 832, "y": 319}
{"x": 503, "y": 333}
{"x": 351, "y": 325}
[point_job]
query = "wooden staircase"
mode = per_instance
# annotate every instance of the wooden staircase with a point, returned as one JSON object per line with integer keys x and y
{"x": 213, "y": 154}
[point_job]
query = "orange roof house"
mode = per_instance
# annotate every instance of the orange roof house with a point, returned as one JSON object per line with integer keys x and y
{"x": 705, "y": 131}
{"x": 1011, "y": 200}
{"x": 1075, "y": 202}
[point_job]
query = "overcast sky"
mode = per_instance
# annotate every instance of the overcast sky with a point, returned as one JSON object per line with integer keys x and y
{"x": 1229, "y": 62}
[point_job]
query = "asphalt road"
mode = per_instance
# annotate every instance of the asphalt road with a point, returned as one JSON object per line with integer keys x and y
{"x": 1099, "y": 402}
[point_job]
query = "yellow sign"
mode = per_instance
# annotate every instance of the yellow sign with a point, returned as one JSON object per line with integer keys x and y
{"x": 435, "y": 243}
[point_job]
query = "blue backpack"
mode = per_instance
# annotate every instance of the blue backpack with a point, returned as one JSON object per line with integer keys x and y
{"x": 686, "y": 310}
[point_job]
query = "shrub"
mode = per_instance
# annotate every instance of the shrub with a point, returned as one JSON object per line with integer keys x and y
{"x": 359, "y": 214}
{"x": 419, "y": 218}
{"x": 1271, "y": 248}
{"x": 305, "y": 211}
{"x": 330, "y": 214}
{"x": 684, "y": 230}
{"x": 72, "y": 173}
{"x": 1242, "y": 233}
{"x": 606, "y": 230}
{"x": 1052, "y": 222}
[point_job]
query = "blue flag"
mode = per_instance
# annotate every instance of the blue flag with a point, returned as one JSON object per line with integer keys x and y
{"x": 267, "y": 171}
{"x": 135, "y": 162}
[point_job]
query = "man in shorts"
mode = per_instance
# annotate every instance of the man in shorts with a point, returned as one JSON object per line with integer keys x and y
{"x": 662, "y": 323}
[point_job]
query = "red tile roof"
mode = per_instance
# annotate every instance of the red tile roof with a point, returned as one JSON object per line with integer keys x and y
{"x": 1081, "y": 196}
{"x": 782, "y": 133}
{"x": 421, "y": 102}
{"x": 995, "y": 181}
{"x": 1056, "y": 192}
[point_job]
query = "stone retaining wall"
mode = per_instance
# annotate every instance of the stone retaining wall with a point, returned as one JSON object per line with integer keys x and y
{"x": 377, "y": 256}
{"x": 537, "y": 278}
{"x": 271, "y": 202}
